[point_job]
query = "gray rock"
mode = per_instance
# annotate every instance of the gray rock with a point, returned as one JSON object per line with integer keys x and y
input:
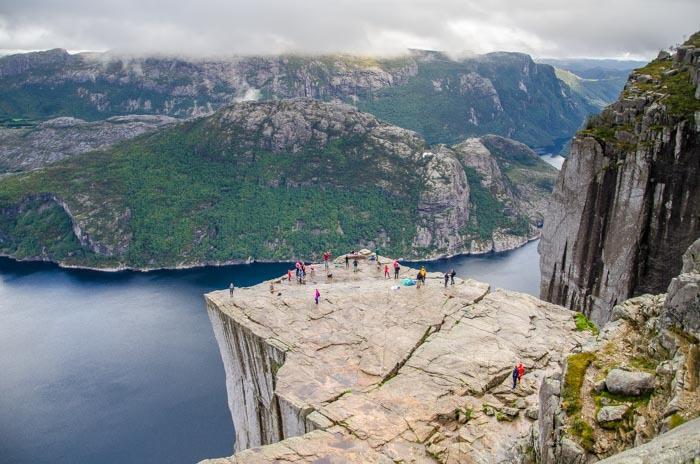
{"x": 680, "y": 445}
{"x": 532, "y": 413}
{"x": 599, "y": 386}
{"x": 682, "y": 305}
{"x": 632, "y": 383}
{"x": 571, "y": 452}
{"x": 512, "y": 412}
{"x": 611, "y": 413}
{"x": 520, "y": 403}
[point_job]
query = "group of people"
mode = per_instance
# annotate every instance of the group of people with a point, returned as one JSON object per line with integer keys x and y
{"x": 300, "y": 272}
{"x": 395, "y": 265}
{"x": 518, "y": 373}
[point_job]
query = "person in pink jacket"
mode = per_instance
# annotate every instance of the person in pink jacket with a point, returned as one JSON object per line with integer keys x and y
{"x": 317, "y": 295}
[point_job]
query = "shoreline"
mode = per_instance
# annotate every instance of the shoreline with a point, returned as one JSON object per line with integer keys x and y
{"x": 234, "y": 262}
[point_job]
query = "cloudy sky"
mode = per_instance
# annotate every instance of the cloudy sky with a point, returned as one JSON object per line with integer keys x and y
{"x": 544, "y": 28}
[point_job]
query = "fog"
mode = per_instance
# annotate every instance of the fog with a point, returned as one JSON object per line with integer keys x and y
{"x": 544, "y": 28}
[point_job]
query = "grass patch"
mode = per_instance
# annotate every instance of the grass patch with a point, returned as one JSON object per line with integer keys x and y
{"x": 675, "y": 420}
{"x": 584, "y": 432}
{"x": 573, "y": 381}
{"x": 643, "y": 363}
{"x": 583, "y": 323}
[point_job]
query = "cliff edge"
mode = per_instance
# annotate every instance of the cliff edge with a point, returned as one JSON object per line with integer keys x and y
{"x": 627, "y": 201}
{"x": 381, "y": 372}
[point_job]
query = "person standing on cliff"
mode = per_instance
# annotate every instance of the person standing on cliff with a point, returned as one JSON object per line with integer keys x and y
{"x": 447, "y": 279}
{"x": 397, "y": 268}
{"x": 230, "y": 289}
{"x": 354, "y": 264}
{"x": 386, "y": 271}
{"x": 347, "y": 262}
{"x": 521, "y": 371}
{"x": 326, "y": 258}
{"x": 452, "y": 277}
{"x": 317, "y": 295}
{"x": 515, "y": 376}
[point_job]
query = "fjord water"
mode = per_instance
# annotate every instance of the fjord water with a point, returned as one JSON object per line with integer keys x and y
{"x": 123, "y": 367}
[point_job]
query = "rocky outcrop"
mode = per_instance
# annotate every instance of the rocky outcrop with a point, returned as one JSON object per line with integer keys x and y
{"x": 378, "y": 372}
{"x": 682, "y": 305}
{"x": 678, "y": 445}
{"x": 61, "y": 138}
{"x": 636, "y": 382}
{"x": 626, "y": 203}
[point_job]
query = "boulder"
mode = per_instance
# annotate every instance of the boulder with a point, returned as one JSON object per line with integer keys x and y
{"x": 630, "y": 383}
{"x": 612, "y": 413}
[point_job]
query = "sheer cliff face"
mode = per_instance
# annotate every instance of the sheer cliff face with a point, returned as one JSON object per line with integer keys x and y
{"x": 627, "y": 202}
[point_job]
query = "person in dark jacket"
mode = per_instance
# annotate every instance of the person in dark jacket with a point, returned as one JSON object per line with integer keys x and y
{"x": 447, "y": 279}
{"x": 347, "y": 261}
{"x": 452, "y": 277}
{"x": 515, "y": 376}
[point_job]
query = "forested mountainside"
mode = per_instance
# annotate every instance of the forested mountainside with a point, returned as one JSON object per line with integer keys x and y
{"x": 443, "y": 99}
{"x": 273, "y": 181}
{"x": 627, "y": 201}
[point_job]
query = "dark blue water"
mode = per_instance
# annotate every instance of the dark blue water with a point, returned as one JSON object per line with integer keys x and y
{"x": 124, "y": 368}
{"x": 517, "y": 270}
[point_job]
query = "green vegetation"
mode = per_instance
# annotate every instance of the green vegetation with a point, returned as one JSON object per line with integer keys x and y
{"x": 582, "y": 430}
{"x": 183, "y": 195}
{"x": 487, "y": 213}
{"x": 643, "y": 363}
{"x": 577, "y": 364}
{"x": 583, "y": 323}
{"x": 675, "y": 420}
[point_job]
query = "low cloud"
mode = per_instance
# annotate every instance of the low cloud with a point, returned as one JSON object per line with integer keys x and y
{"x": 592, "y": 28}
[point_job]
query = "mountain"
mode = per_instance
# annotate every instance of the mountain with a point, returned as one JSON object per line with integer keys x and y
{"x": 273, "y": 181}
{"x": 30, "y": 147}
{"x": 627, "y": 201}
{"x": 443, "y": 99}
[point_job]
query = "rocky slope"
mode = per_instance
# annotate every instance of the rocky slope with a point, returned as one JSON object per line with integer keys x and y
{"x": 444, "y": 100}
{"x": 27, "y": 148}
{"x": 377, "y": 373}
{"x": 271, "y": 181}
{"x": 626, "y": 203}
{"x": 637, "y": 381}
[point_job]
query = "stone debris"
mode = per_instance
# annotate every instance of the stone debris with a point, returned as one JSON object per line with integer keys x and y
{"x": 408, "y": 374}
{"x": 612, "y": 413}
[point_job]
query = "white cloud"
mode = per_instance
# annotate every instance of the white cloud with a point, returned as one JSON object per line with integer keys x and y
{"x": 211, "y": 27}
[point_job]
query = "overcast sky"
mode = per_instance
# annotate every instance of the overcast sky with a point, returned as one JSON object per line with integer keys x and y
{"x": 543, "y": 28}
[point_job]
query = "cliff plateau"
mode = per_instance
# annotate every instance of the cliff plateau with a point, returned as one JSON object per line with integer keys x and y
{"x": 378, "y": 372}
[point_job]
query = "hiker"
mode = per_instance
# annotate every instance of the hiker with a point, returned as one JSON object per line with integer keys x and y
{"x": 317, "y": 295}
{"x": 354, "y": 264}
{"x": 452, "y": 277}
{"x": 347, "y": 262}
{"x": 418, "y": 280}
{"x": 289, "y": 275}
{"x": 422, "y": 273}
{"x": 397, "y": 268}
{"x": 313, "y": 270}
{"x": 386, "y": 271}
{"x": 326, "y": 258}
{"x": 230, "y": 289}
{"x": 515, "y": 376}
{"x": 272, "y": 287}
{"x": 447, "y": 279}
{"x": 376, "y": 254}
{"x": 298, "y": 275}
{"x": 521, "y": 371}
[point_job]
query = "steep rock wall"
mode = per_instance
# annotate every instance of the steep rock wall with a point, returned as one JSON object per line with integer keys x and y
{"x": 627, "y": 201}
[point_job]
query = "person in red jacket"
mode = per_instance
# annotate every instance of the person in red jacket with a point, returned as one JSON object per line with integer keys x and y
{"x": 521, "y": 372}
{"x": 386, "y": 271}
